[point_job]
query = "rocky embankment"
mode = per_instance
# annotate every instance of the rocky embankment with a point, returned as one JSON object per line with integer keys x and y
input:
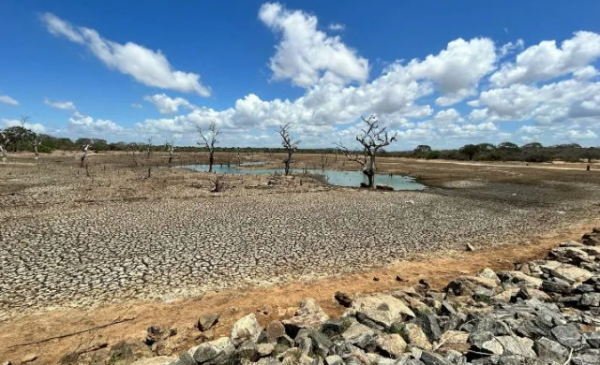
{"x": 542, "y": 312}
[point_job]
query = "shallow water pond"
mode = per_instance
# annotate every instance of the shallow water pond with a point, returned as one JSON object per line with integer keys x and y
{"x": 334, "y": 177}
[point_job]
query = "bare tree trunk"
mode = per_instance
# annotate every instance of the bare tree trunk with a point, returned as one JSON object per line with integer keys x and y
{"x": 35, "y": 150}
{"x": 287, "y": 163}
{"x": 238, "y": 157}
{"x": 211, "y": 159}
{"x": 370, "y": 170}
{"x": 4, "y": 154}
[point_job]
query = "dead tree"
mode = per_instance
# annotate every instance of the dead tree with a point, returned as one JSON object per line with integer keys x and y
{"x": 372, "y": 138}
{"x": 4, "y": 141}
{"x": 288, "y": 145}
{"x": 209, "y": 142}
{"x": 37, "y": 141}
{"x": 84, "y": 152}
{"x": 133, "y": 146}
{"x": 149, "y": 149}
{"x": 170, "y": 146}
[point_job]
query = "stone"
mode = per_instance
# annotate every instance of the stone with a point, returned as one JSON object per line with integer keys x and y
{"x": 519, "y": 346}
{"x": 246, "y": 329}
{"x": 334, "y": 327}
{"x": 309, "y": 315}
{"x": 343, "y": 299}
{"x": 590, "y": 300}
{"x": 557, "y": 286}
{"x": 592, "y": 238}
{"x": 485, "y": 342}
{"x": 382, "y": 309}
{"x": 321, "y": 344}
{"x": 587, "y": 357}
{"x": 155, "y": 333}
{"x": 521, "y": 279}
{"x": 392, "y": 345}
{"x": 248, "y": 350}
{"x": 430, "y": 358}
{"x": 217, "y": 352}
{"x": 414, "y": 335}
{"x": 359, "y": 335}
{"x": 265, "y": 349}
{"x": 452, "y": 338}
{"x": 593, "y": 339}
{"x": 157, "y": 360}
{"x": 567, "y": 335}
{"x": 456, "y": 357}
{"x": 506, "y": 296}
{"x": 334, "y": 360}
{"x": 429, "y": 324}
{"x": 129, "y": 350}
{"x": 275, "y": 329}
{"x": 489, "y": 274}
{"x": 570, "y": 273}
{"x": 207, "y": 321}
{"x": 548, "y": 350}
{"x": 569, "y": 255}
{"x": 29, "y": 358}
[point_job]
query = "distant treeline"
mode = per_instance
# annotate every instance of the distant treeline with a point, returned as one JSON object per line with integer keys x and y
{"x": 506, "y": 151}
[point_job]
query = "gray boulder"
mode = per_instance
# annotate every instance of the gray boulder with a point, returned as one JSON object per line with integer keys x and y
{"x": 217, "y": 352}
{"x": 593, "y": 339}
{"x": 382, "y": 309}
{"x": 590, "y": 300}
{"x": 246, "y": 329}
{"x": 588, "y": 357}
{"x": 207, "y": 321}
{"x": 567, "y": 335}
{"x": 430, "y": 358}
{"x": 309, "y": 315}
{"x": 550, "y": 351}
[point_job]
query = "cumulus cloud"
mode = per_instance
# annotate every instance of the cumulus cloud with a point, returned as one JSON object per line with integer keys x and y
{"x": 168, "y": 105}
{"x": 65, "y": 105}
{"x": 36, "y": 127}
{"x": 586, "y": 134}
{"x": 146, "y": 66}
{"x": 336, "y": 27}
{"x": 5, "y": 99}
{"x": 546, "y": 61}
{"x": 305, "y": 54}
{"x": 87, "y": 125}
{"x": 457, "y": 69}
{"x": 448, "y": 115}
{"x": 137, "y": 106}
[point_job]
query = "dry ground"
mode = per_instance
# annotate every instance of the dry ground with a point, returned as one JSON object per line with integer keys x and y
{"x": 50, "y": 209}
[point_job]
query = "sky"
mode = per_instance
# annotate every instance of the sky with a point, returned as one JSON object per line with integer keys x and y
{"x": 441, "y": 73}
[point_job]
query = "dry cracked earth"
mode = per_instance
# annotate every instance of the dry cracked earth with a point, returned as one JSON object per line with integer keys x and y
{"x": 86, "y": 254}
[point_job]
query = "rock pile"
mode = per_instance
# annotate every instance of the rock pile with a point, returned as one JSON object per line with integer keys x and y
{"x": 542, "y": 312}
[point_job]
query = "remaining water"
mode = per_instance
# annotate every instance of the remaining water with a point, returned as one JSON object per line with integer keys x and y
{"x": 334, "y": 177}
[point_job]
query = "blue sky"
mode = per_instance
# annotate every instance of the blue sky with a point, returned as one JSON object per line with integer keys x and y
{"x": 440, "y": 73}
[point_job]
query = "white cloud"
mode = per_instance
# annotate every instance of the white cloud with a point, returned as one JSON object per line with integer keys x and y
{"x": 137, "y": 106}
{"x": 587, "y": 134}
{"x": 448, "y": 115}
{"x": 86, "y": 124}
{"x": 457, "y": 69}
{"x": 510, "y": 47}
{"x": 146, "y": 66}
{"x": 36, "y": 127}
{"x": 168, "y": 105}
{"x": 336, "y": 27}
{"x": 585, "y": 73}
{"x": 65, "y": 105}
{"x": 306, "y": 55}
{"x": 546, "y": 61}
{"x": 5, "y": 99}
